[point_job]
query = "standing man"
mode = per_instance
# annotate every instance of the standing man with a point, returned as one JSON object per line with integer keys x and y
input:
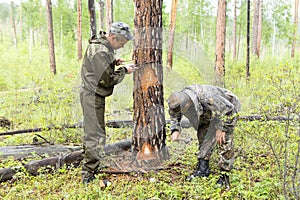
{"x": 99, "y": 77}
{"x": 212, "y": 111}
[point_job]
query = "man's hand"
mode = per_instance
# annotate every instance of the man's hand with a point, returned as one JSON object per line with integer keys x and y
{"x": 174, "y": 136}
{"x": 220, "y": 136}
{"x": 130, "y": 68}
{"x": 119, "y": 61}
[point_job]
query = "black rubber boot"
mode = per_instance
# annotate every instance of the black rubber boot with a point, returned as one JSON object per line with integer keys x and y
{"x": 224, "y": 181}
{"x": 201, "y": 171}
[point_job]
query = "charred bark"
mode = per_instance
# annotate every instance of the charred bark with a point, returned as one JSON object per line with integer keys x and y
{"x": 149, "y": 131}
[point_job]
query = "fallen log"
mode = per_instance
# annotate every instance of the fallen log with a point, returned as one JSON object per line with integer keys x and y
{"x": 53, "y": 163}
{"x": 34, "y": 130}
{"x": 128, "y": 123}
{"x": 25, "y": 151}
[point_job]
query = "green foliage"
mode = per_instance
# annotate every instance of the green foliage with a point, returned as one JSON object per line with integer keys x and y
{"x": 266, "y": 151}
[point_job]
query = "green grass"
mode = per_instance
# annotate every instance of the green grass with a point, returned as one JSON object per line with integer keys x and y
{"x": 53, "y": 100}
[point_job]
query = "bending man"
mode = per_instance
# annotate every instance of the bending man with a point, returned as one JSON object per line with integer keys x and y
{"x": 212, "y": 111}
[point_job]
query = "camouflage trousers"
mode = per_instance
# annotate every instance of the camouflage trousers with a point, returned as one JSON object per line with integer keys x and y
{"x": 207, "y": 141}
{"x": 93, "y": 108}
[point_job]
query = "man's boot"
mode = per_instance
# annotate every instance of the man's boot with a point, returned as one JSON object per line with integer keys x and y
{"x": 224, "y": 181}
{"x": 202, "y": 169}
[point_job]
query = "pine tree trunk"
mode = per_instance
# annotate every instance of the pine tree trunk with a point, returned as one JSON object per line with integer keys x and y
{"x": 109, "y": 14}
{"x": 13, "y": 26}
{"x": 259, "y": 32}
{"x": 234, "y": 31}
{"x": 255, "y": 26}
{"x": 171, "y": 34}
{"x": 248, "y": 41}
{"x": 149, "y": 131}
{"x": 295, "y": 28}
{"x": 101, "y": 15}
{"x": 50, "y": 37}
{"x": 93, "y": 28}
{"x": 79, "y": 32}
{"x": 220, "y": 43}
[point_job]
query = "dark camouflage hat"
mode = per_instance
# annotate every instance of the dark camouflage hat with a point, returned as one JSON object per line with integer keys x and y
{"x": 178, "y": 99}
{"x": 121, "y": 28}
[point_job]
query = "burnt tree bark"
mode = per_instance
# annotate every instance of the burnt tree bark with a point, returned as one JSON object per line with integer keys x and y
{"x": 50, "y": 37}
{"x": 79, "y": 32}
{"x": 171, "y": 34}
{"x": 92, "y": 13}
{"x": 220, "y": 43}
{"x": 149, "y": 131}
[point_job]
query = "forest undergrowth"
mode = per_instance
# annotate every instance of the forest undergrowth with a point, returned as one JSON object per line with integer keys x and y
{"x": 267, "y": 150}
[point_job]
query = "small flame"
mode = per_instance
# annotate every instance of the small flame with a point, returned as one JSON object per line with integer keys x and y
{"x": 147, "y": 150}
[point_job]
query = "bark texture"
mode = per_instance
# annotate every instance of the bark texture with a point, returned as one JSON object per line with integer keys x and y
{"x": 220, "y": 43}
{"x": 172, "y": 33}
{"x": 50, "y": 37}
{"x": 149, "y": 131}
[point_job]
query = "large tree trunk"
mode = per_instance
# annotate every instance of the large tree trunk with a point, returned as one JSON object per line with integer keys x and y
{"x": 149, "y": 131}
{"x": 109, "y": 14}
{"x": 79, "y": 32}
{"x": 295, "y": 28}
{"x": 220, "y": 43}
{"x": 92, "y": 13}
{"x": 101, "y": 15}
{"x": 171, "y": 34}
{"x": 50, "y": 37}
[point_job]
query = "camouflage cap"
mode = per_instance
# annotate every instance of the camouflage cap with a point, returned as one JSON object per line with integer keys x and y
{"x": 121, "y": 28}
{"x": 178, "y": 99}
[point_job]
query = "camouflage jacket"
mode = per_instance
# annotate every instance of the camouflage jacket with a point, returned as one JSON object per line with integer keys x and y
{"x": 98, "y": 72}
{"x": 207, "y": 102}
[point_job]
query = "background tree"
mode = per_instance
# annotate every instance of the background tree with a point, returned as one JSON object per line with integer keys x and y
{"x": 92, "y": 12}
{"x": 13, "y": 24}
{"x": 79, "y": 33}
{"x": 256, "y": 6}
{"x": 220, "y": 43}
{"x": 101, "y": 14}
{"x": 259, "y": 32}
{"x": 295, "y": 28}
{"x": 171, "y": 33}
{"x": 109, "y": 14}
{"x": 234, "y": 30}
{"x": 248, "y": 41}
{"x": 149, "y": 131}
{"x": 50, "y": 37}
